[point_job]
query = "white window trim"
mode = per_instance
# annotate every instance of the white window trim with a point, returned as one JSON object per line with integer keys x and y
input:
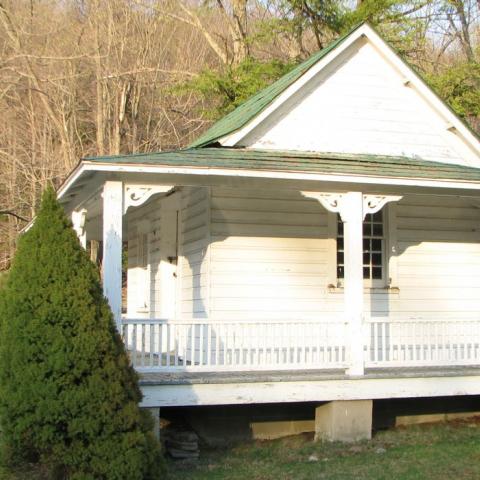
{"x": 389, "y": 282}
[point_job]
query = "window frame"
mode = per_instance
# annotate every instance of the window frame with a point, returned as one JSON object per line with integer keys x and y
{"x": 385, "y": 281}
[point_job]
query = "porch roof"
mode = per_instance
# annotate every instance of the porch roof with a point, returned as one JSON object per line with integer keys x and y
{"x": 292, "y": 161}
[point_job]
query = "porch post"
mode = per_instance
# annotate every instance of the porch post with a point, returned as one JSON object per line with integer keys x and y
{"x": 112, "y": 247}
{"x": 352, "y": 217}
{"x": 78, "y": 221}
{"x": 353, "y": 207}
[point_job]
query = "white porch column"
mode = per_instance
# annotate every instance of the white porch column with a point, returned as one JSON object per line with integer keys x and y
{"x": 352, "y": 217}
{"x": 353, "y": 207}
{"x": 112, "y": 247}
{"x": 78, "y": 221}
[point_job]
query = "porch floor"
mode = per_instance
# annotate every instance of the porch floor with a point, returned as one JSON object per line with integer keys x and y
{"x": 192, "y": 378}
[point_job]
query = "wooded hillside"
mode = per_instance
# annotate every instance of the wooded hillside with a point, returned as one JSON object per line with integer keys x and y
{"x": 95, "y": 77}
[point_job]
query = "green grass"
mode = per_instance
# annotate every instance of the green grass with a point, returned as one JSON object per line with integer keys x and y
{"x": 450, "y": 451}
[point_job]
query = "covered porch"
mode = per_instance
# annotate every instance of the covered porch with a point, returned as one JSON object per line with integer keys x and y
{"x": 412, "y": 302}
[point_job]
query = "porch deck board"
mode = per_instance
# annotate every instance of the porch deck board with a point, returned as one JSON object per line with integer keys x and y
{"x": 192, "y": 378}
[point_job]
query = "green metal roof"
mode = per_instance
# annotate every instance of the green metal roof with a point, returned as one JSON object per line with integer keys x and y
{"x": 254, "y": 105}
{"x": 306, "y": 162}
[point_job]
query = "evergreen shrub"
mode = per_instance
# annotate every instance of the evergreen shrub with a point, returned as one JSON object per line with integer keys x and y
{"x": 68, "y": 395}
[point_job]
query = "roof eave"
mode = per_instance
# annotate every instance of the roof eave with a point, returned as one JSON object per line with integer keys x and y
{"x": 354, "y": 178}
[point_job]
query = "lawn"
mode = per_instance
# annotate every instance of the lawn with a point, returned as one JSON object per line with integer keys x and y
{"x": 448, "y": 451}
{"x": 424, "y": 452}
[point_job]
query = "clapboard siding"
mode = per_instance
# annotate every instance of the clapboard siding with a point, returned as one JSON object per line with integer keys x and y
{"x": 439, "y": 257}
{"x": 194, "y": 262}
{"x": 143, "y": 282}
{"x": 378, "y": 112}
{"x": 270, "y": 258}
{"x": 253, "y": 254}
{"x": 269, "y": 255}
{"x": 193, "y": 269}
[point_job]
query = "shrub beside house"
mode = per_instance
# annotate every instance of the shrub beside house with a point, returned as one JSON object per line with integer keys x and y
{"x": 68, "y": 395}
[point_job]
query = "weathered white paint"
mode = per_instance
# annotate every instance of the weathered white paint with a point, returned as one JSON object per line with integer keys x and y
{"x": 256, "y": 258}
{"x": 172, "y": 284}
{"x": 198, "y": 176}
{"x": 422, "y": 342}
{"x": 112, "y": 247}
{"x": 351, "y": 213}
{"x": 138, "y": 194}
{"x": 357, "y": 388}
{"x": 143, "y": 230}
{"x": 269, "y": 255}
{"x": 207, "y": 345}
{"x": 195, "y": 253}
{"x": 78, "y": 221}
{"x": 387, "y": 110}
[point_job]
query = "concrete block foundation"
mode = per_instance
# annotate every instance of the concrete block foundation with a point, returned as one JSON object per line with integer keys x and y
{"x": 344, "y": 421}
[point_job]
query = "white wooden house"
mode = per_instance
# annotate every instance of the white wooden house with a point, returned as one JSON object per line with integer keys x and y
{"x": 320, "y": 243}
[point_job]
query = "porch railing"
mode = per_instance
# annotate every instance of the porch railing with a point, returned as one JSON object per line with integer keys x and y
{"x": 213, "y": 345}
{"x": 226, "y": 345}
{"x": 422, "y": 342}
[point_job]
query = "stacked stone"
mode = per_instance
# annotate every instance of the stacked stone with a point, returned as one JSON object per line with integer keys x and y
{"x": 182, "y": 445}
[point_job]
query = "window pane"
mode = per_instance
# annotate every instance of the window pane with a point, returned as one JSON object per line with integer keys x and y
{"x": 373, "y": 245}
{"x": 376, "y": 245}
{"x": 377, "y": 272}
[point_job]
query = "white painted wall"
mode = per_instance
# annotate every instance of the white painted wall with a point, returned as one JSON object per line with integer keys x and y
{"x": 151, "y": 292}
{"x": 143, "y": 280}
{"x": 439, "y": 261}
{"x": 195, "y": 260}
{"x": 271, "y": 257}
{"x": 360, "y": 104}
{"x": 253, "y": 254}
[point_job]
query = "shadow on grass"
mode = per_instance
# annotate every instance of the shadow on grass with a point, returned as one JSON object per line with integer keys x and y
{"x": 441, "y": 451}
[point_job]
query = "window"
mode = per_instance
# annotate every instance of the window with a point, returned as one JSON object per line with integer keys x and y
{"x": 373, "y": 249}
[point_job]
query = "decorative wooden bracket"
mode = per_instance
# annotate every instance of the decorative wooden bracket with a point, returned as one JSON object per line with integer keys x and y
{"x": 374, "y": 203}
{"x": 336, "y": 202}
{"x": 136, "y": 195}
